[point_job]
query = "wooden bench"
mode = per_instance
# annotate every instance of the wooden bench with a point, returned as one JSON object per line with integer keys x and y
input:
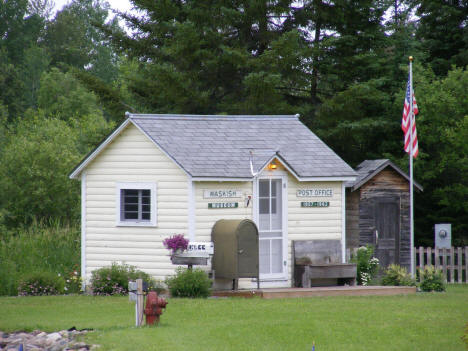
{"x": 321, "y": 259}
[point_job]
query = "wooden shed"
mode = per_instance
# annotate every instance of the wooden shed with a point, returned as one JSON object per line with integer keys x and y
{"x": 377, "y": 211}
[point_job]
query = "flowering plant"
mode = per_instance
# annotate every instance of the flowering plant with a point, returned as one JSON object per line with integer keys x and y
{"x": 73, "y": 281}
{"x": 367, "y": 265}
{"x": 176, "y": 242}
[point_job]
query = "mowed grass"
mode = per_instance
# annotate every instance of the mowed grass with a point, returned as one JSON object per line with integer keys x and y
{"x": 424, "y": 321}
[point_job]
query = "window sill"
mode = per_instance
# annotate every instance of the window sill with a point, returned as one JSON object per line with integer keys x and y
{"x": 136, "y": 224}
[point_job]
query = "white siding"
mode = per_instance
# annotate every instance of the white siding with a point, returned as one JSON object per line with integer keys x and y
{"x": 206, "y": 217}
{"x": 309, "y": 223}
{"x": 132, "y": 157}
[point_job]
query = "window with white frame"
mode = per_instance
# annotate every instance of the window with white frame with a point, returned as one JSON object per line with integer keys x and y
{"x": 136, "y": 204}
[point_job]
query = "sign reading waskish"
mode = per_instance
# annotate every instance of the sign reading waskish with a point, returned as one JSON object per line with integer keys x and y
{"x": 316, "y": 192}
{"x": 221, "y": 193}
{"x": 223, "y": 204}
{"x": 315, "y": 204}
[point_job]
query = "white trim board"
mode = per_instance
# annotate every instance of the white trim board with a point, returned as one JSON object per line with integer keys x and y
{"x": 343, "y": 223}
{"x": 97, "y": 151}
{"x": 83, "y": 230}
{"x": 191, "y": 209}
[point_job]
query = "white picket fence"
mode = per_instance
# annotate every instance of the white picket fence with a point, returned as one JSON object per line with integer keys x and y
{"x": 453, "y": 262}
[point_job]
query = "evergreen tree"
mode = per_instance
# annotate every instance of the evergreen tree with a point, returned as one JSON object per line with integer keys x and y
{"x": 19, "y": 31}
{"x": 443, "y": 32}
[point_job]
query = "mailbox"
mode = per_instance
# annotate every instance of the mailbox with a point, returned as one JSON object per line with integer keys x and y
{"x": 235, "y": 250}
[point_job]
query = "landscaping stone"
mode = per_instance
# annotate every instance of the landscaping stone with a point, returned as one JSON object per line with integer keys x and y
{"x": 37, "y": 340}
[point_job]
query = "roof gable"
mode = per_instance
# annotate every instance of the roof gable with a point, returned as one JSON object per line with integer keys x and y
{"x": 368, "y": 169}
{"x": 225, "y": 146}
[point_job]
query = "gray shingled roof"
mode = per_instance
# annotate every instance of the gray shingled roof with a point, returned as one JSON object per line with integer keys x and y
{"x": 369, "y": 168}
{"x": 220, "y": 146}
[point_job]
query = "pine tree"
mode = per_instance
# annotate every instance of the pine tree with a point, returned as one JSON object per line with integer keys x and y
{"x": 443, "y": 32}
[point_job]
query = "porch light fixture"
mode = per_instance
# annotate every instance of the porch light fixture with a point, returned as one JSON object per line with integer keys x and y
{"x": 272, "y": 166}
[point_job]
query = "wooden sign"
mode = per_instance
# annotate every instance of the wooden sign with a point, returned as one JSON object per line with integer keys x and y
{"x": 222, "y": 193}
{"x": 315, "y": 204}
{"x": 328, "y": 192}
{"x": 223, "y": 205}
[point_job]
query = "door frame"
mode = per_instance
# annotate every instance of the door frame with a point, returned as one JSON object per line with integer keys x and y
{"x": 281, "y": 280}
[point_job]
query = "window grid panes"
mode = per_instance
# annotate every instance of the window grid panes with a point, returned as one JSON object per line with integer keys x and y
{"x": 135, "y": 205}
{"x": 270, "y": 226}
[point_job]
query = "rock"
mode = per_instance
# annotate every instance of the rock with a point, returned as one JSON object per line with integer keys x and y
{"x": 41, "y": 341}
{"x": 54, "y": 336}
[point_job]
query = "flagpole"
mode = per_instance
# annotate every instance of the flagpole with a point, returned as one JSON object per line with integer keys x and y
{"x": 411, "y": 116}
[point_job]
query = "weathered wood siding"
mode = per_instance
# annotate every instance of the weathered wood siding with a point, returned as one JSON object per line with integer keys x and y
{"x": 132, "y": 157}
{"x": 352, "y": 218}
{"x": 386, "y": 184}
{"x": 206, "y": 217}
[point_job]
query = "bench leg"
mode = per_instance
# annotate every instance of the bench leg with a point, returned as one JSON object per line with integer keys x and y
{"x": 306, "y": 277}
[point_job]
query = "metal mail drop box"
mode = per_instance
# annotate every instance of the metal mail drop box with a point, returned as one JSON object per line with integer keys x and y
{"x": 235, "y": 249}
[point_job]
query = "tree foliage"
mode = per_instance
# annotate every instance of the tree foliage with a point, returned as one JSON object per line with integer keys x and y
{"x": 443, "y": 32}
{"x": 341, "y": 64}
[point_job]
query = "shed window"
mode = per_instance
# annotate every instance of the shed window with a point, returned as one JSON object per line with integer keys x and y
{"x": 136, "y": 204}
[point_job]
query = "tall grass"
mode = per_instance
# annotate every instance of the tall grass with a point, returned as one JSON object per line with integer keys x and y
{"x": 46, "y": 247}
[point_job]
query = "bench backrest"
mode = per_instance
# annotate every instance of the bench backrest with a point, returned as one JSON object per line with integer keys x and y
{"x": 317, "y": 251}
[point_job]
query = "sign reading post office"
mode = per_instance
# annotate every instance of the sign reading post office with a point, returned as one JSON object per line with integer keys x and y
{"x": 315, "y": 192}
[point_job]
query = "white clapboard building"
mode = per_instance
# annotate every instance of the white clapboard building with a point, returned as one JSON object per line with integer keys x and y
{"x": 179, "y": 174}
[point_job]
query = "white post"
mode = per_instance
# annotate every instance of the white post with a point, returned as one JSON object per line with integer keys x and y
{"x": 139, "y": 303}
{"x": 411, "y": 116}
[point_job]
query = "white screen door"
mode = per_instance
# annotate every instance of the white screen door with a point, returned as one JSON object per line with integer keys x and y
{"x": 270, "y": 221}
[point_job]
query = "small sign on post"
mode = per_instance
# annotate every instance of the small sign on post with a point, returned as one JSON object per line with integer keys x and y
{"x": 135, "y": 293}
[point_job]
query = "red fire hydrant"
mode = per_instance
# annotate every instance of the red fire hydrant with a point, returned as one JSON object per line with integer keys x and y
{"x": 154, "y": 306}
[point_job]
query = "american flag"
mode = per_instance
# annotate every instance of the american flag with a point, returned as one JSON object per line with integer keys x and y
{"x": 405, "y": 121}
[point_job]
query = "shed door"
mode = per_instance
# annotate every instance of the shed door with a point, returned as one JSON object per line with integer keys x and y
{"x": 387, "y": 235}
{"x": 271, "y": 234}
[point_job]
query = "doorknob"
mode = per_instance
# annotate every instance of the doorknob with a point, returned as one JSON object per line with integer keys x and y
{"x": 376, "y": 237}
{"x": 240, "y": 251}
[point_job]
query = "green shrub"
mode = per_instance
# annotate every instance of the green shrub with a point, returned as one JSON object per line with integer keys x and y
{"x": 113, "y": 280}
{"x": 41, "y": 283}
{"x": 397, "y": 276}
{"x": 431, "y": 279}
{"x": 367, "y": 265}
{"x": 189, "y": 283}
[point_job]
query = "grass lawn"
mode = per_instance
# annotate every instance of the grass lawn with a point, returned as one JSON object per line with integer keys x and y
{"x": 425, "y": 321}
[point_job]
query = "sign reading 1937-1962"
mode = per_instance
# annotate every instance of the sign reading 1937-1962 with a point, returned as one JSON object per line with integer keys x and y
{"x": 223, "y": 205}
{"x": 315, "y": 192}
{"x": 315, "y": 204}
{"x": 222, "y": 193}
